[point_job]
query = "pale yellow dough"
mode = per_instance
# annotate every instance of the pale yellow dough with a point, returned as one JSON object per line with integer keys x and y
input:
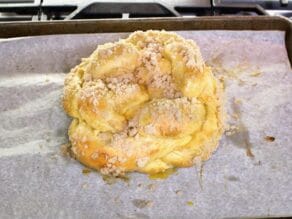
{"x": 147, "y": 103}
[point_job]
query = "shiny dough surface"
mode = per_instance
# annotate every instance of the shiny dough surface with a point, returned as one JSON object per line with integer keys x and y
{"x": 147, "y": 103}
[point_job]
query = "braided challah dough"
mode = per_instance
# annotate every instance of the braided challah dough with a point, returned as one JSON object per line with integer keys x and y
{"x": 147, "y": 103}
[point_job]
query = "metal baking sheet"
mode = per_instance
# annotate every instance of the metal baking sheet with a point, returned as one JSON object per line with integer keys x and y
{"x": 37, "y": 181}
{"x": 30, "y": 28}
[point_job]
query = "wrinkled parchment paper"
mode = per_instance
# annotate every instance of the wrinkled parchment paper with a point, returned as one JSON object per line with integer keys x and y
{"x": 248, "y": 176}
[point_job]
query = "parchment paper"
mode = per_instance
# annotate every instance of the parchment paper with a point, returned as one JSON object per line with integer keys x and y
{"x": 36, "y": 181}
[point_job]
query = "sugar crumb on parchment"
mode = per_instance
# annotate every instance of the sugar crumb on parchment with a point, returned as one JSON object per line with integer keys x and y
{"x": 270, "y": 138}
{"x": 231, "y": 129}
{"x": 65, "y": 150}
{"x": 84, "y": 186}
{"x": 141, "y": 203}
{"x": 151, "y": 187}
{"x": 235, "y": 116}
{"x": 179, "y": 192}
{"x": 86, "y": 171}
{"x": 237, "y": 101}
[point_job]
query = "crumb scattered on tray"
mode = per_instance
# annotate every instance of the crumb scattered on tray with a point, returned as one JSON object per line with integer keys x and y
{"x": 237, "y": 101}
{"x": 141, "y": 203}
{"x": 117, "y": 199}
{"x": 84, "y": 186}
{"x": 231, "y": 129}
{"x": 86, "y": 171}
{"x": 232, "y": 178}
{"x": 241, "y": 82}
{"x": 190, "y": 203}
{"x": 255, "y": 74}
{"x": 259, "y": 163}
{"x": 53, "y": 156}
{"x": 270, "y": 138}
{"x": 65, "y": 150}
{"x": 235, "y": 116}
{"x": 151, "y": 187}
{"x": 249, "y": 152}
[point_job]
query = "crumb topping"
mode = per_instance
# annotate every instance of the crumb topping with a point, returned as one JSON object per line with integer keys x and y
{"x": 146, "y": 97}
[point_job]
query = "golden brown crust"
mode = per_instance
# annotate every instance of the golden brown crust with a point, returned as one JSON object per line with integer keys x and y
{"x": 147, "y": 103}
